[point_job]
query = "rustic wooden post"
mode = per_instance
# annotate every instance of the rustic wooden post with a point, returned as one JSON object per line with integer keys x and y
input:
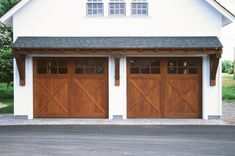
{"x": 20, "y": 62}
{"x": 214, "y": 63}
{"x": 117, "y": 69}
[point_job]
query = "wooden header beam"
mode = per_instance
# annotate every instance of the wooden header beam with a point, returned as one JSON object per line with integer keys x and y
{"x": 215, "y": 55}
{"x": 121, "y": 51}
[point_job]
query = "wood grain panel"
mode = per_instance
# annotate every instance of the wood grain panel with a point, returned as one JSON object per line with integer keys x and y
{"x": 173, "y": 93}
{"x": 71, "y": 94}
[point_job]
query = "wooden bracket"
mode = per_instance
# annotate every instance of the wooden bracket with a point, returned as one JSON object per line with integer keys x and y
{"x": 117, "y": 69}
{"x": 20, "y": 62}
{"x": 214, "y": 63}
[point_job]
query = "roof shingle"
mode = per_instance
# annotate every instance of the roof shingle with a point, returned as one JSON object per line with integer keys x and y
{"x": 118, "y": 42}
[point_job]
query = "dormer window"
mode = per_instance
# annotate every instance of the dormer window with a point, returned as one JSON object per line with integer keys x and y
{"x": 95, "y": 8}
{"x": 139, "y": 8}
{"x": 117, "y": 8}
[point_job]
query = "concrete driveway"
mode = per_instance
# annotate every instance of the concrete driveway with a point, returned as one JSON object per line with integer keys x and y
{"x": 117, "y": 140}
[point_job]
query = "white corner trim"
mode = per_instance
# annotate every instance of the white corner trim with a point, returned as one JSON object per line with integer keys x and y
{"x": 221, "y": 10}
{"x": 13, "y": 10}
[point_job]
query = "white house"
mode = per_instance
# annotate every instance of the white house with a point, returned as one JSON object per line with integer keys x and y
{"x": 117, "y": 58}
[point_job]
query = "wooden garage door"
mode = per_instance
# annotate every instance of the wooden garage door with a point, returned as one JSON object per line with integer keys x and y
{"x": 164, "y": 87}
{"x": 71, "y": 87}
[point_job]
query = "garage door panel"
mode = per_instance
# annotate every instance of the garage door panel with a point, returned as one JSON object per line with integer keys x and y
{"x": 89, "y": 97}
{"x": 182, "y": 90}
{"x": 70, "y": 87}
{"x": 143, "y": 90}
{"x": 172, "y": 92}
{"x": 51, "y": 96}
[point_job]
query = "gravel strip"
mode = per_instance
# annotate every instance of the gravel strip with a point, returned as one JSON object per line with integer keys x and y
{"x": 229, "y": 112}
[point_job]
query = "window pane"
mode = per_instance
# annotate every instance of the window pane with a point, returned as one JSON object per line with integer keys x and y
{"x": 134, "y": 12}
{"x": 122, "y": 6}
{"x": 89, "y": 11}
{"x": 144, "y": 6}
{"x": 182, "y": 63}
{"x": 42, "y": 63}
{"x": 62, "y": 63}
{"x": 145, "y": 70}
{"x": 140, "y": 63}
{"x": 155, "y": 63}
{"x": 122, "y": 11}
{"x": 192, "y": 70}
{"x": 100, "y": 11}
{"x": 52, "y": 63}
{"x": 172, "y": 63}
{"x": 135, "y": 71}
{"x": 116, "y": 11}
{"x": 144, "y": 12}
{"x": 90, "y": 71}
{"x": 100, "y": 6}
{"x": 89, "y": 6}
{"x": 62, "y": 70}
{"x": 193, "y": 63}
{"x": 182, "y": 71}
{"x": 79, "y": 71}
{"x": 100, "y": 70}
{"x": 95, "y": 11}
{"x": 52, "y": 70}
{"x": 172, "y": 70}
{"x": 111, "y": 6}
{"x": 112, "y": 12}
{"x": 155, "y": 71}
{"x": 42, "y": 70}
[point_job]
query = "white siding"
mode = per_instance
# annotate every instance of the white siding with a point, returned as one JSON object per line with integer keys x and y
{"x": 68, "y": 18}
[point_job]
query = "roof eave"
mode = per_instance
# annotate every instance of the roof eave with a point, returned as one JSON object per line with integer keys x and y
{"x": 227, "y": 16}
{"x": 7, "y": 17}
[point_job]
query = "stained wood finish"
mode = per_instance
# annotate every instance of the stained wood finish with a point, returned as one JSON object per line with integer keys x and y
{"x": 117, "y": 71}
{"x": 20, "y": 62}
{"x": 131, "y": 51}
{"x": 81, "y": 92}
{"x": 214, "y": 64}
{"x": 119, "y": 51}
{"x": 165, "y": 95}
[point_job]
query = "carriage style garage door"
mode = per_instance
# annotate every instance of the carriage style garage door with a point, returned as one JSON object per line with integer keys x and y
{"x": 164, "y": 87}
{"x": 71, "y": 87}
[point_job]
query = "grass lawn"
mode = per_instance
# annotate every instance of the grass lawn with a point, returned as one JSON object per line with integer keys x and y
{"x": 6, "y": 97}
{"x": 228, "y": 88}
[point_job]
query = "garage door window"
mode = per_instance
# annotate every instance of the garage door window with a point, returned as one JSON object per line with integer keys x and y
{"x": 90, "y": 67}
{"x": 182, "y": 66}
{"x": 144, "y": 66}
{"x": 52, "y": 67}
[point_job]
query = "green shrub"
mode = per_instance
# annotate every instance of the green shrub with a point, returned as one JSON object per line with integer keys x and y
{"x": 7, "y": 110}
{"x": 6, "y": 91}
{"x": 228, "y": 67}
